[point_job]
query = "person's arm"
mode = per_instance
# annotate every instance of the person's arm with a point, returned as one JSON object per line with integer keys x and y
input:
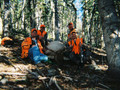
{"x": 69, "y": 46}
{"x": 69, "y": 38}
{"x": 45, "y": 38}
{"x": 33, "y": 44}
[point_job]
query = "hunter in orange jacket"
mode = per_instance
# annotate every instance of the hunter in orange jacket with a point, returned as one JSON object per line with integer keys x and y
{"x": 75, "y": 43}
{"x": 77, "y": 51}
{"x": 42, "y": 35}
{"x": 71, "y": 30}
{"x": 27, "y": 44}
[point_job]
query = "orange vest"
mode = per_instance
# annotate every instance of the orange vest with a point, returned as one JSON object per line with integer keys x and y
{"x": 26, "y": 46}
{"x": 4, "y": 39}
{"x": 71, "y": 32}
{"x": 76, "y": 45}
{"x": 41, "y": 33}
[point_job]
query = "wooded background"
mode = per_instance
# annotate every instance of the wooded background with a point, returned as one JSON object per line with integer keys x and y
{"x": 20, "y": 16}
{"x": 100, "y": 19}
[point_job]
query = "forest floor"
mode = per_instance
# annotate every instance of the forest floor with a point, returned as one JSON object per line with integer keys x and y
{"x": 16, "y": 73}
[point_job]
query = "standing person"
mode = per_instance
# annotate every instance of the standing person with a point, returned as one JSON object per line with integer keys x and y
{"x": 71, "y": 29}
{"x": 43, "y": 35}
{"x": 32, "y": 48}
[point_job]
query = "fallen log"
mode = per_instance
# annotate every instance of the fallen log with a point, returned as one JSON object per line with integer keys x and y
{"x": 6, "y": 59}
{"x": 97, "y": 52}
{"x": 68, "y": 78}
{"x": 45, "y": 83}
{"x": 37, "y": 76}
{"x": 40, "y": 77}
{"x": 14, "y": 82}
{"x": 8, "y": 73}
{"x": 104, "y": 86}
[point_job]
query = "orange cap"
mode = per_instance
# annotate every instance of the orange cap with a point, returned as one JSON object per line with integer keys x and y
{"x": 70, "y": 23}
{"x": 34, "y": 29}
{"x": 42, "y": 25}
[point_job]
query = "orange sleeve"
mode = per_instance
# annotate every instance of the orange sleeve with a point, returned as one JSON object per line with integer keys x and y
{"x": 39, "y": 33}
{"x": 25, "y": 47}
{"x": 69, "y": 43}
{"x": 40, "y": 47}
{"x": 81, "y": 40}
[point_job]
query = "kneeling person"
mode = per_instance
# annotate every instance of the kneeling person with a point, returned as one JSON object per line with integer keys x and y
{"x": 75, "y": 44}
{"x": 32, "y": 48}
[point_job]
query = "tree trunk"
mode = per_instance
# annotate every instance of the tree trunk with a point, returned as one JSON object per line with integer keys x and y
{"x": 91, "y": 24}
{"x": 29, "y": 9}
{"x": 23, "y": 16}
{"x": 96, "y": 29}
{"x": 1, "y": 24}
{"x": 83, "y": 25}
{"x": 53, "y": 19}
{"x": 75, "y": 10}
{"x": 57, "y": 32}
{"x": 0, "y": 9}
{"x": 111, "y": 30}
{"x": 6, "y": 14}
{"x": 34, "y": 16}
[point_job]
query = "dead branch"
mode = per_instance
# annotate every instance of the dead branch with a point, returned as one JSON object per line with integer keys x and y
{"x": 8, "y": 73}
{"x": 45, "y": 83}
{"x": 68, "y": 78}
{"x": 53, "y": 80}
{"x": 104, "y": 86}
{"x": 39, "y": 77}
{"x": 42, "y": 78}
{"x": 9, "y": 62}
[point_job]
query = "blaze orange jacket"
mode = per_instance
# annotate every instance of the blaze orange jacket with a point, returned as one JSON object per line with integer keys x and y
{"x": 76, "y": 45}
{"x": 4, "y": 39}
{"x": 41, "y": 33}
{"x": 71, "y": 32}
{"x": 26, "y": 46}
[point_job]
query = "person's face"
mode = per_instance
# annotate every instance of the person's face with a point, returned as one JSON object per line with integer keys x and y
{"x": 34, "y": 34}
{"x": 74, "y": 36}
{"x": 70, "y": 27}
{"x": 42, "y": 28}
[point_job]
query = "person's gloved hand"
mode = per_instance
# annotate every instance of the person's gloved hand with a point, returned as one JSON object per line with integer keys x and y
{"x": 40, "y": 37}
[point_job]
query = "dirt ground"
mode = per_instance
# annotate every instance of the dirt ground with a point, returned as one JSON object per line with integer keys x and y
{"x": 16, "y": 73}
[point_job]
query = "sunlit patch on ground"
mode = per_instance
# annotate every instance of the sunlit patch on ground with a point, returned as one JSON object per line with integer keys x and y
{"x": 103, "y": 67}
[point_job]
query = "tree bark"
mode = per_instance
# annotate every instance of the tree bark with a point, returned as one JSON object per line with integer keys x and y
{"x": 75, "y": 10}
{"x": 111, "y": 31}
{"x": 34, "y": 16}
{"x": 29, "y": 8}
{"x": 1, "y": 24}
{"x": 57, "y": 32}
{"x": 6, "y": 14}
{"x": 53, "y": 19}
{"x": 23, "y": 16}
{"x": 91, "y": 24}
